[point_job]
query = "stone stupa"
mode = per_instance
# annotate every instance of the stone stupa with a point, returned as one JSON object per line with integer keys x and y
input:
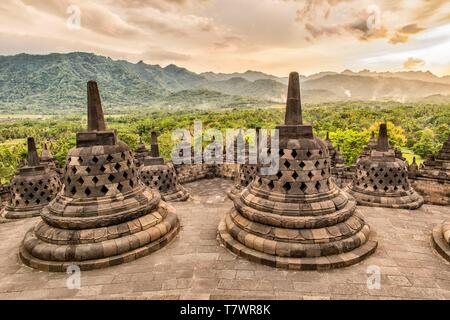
{"x": 140, "y": 153}
{"x": 32, "y": 188}
{"x": 48, "y": 158}
{"x": 371, "y": 145}
{"x": 337, "y": 159}
{"x": 246, "y": 171}
{"x": 161, "y": 176}
{"x": 381, "y": 179}
{"x": 104, "y": 215}
{"x": 432, "y": 179}
{"x": 297, "y": 218}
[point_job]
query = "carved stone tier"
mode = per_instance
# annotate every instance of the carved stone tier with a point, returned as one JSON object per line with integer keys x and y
{"x": 32, "y": 188}
{"x": 441, "y": 239}
{"x": 381, "y": 180}
{"x": 297, "y": 218}
{"x": 104, "y": 215}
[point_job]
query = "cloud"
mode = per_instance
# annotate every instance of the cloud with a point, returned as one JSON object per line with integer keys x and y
{"x": 413, "y": 63}
{"x": 402, "y": 35}
{"x": 341, "y": 17}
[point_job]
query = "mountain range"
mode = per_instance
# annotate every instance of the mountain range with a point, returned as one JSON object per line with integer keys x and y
{"x": 57, "y": 82}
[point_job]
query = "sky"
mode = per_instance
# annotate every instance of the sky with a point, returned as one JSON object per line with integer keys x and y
{"x": 273, "y": 36}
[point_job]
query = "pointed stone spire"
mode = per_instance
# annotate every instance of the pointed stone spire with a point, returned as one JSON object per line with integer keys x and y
{"x": 32, "y": 156}
{"x": 154, "y": 146}
{"x": 46, "y": 153}
{"x": 293, "y": 104}
{"x": 96, "y": 120}
{"x": 383, "y": 142}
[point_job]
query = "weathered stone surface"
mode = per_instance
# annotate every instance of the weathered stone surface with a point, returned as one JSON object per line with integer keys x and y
{"x": 432, "y": 180}
{"x": 441, "y": 239}
{"x": 32, "y": 188}
{"x": 297, "y": 218}
{"x": 381, "y": 179}
{"x": 162, "y": 177}
{"x": 96, "y": 220}
{"x": 196, "y": 267}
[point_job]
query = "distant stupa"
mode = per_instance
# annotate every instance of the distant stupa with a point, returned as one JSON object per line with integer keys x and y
{"x": 161, "y": 176}
{"x": 32, "y": 188}
{"x": 381, "y": 179}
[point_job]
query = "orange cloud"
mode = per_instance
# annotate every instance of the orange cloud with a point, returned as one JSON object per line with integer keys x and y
{"x": 413, "y": 63}
{"x": 402, "y": 35}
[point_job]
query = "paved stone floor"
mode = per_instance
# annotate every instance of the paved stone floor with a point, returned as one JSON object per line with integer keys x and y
{"x": 194, "y": 266}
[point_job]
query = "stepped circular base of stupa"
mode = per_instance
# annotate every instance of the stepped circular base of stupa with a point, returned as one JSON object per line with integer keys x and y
{"x": 441, "y": 239}
{"x": 106, "y": 239}
{"x": 410, "y": 199}
{"x": 264, "y": 251}
{"x": 16, "y": 214}
{"x": 177, "y": 196}
{"x": 289, "y": 235}
{"x": 233, "y": 192}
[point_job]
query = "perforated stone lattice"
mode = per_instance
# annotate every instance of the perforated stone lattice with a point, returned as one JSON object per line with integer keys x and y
{"x": 246, "y": 175}
{"x": 162, "y": 178}
{"x": 100, "y": 175}
{"x": 35, "y": 191}
{"x": 374, "y": 179}
{"x": 304, "y": 172}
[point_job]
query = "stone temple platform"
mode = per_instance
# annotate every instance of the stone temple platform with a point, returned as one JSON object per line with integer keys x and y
{"x": 194, "y": 266}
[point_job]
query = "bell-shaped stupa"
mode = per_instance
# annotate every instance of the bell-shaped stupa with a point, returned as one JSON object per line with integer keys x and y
{"x": 337, "y": 160}
{"x": 104, "y": 215}
{"x": 432, "y": 179}
{"x": 371, "y": 145}
{"x": 32, "y": 188}
{"x": 162, "y": 176}
{"x": 48, "y": 158}
{"x": 140, "y": 153}
{"x": 297, "y": 218}
{"x": 438, "y": 166}
{"x": 246, "y": 171}
{"x": 381, "y": 179}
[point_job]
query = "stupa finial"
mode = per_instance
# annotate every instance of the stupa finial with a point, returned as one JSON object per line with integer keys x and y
{"x": 32, "y": 156}
{"x": 383, "y": 143}
{"x": 154, "y": 146}
{"x": 293, "y": 104}
{"x": 96, "y": 120}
